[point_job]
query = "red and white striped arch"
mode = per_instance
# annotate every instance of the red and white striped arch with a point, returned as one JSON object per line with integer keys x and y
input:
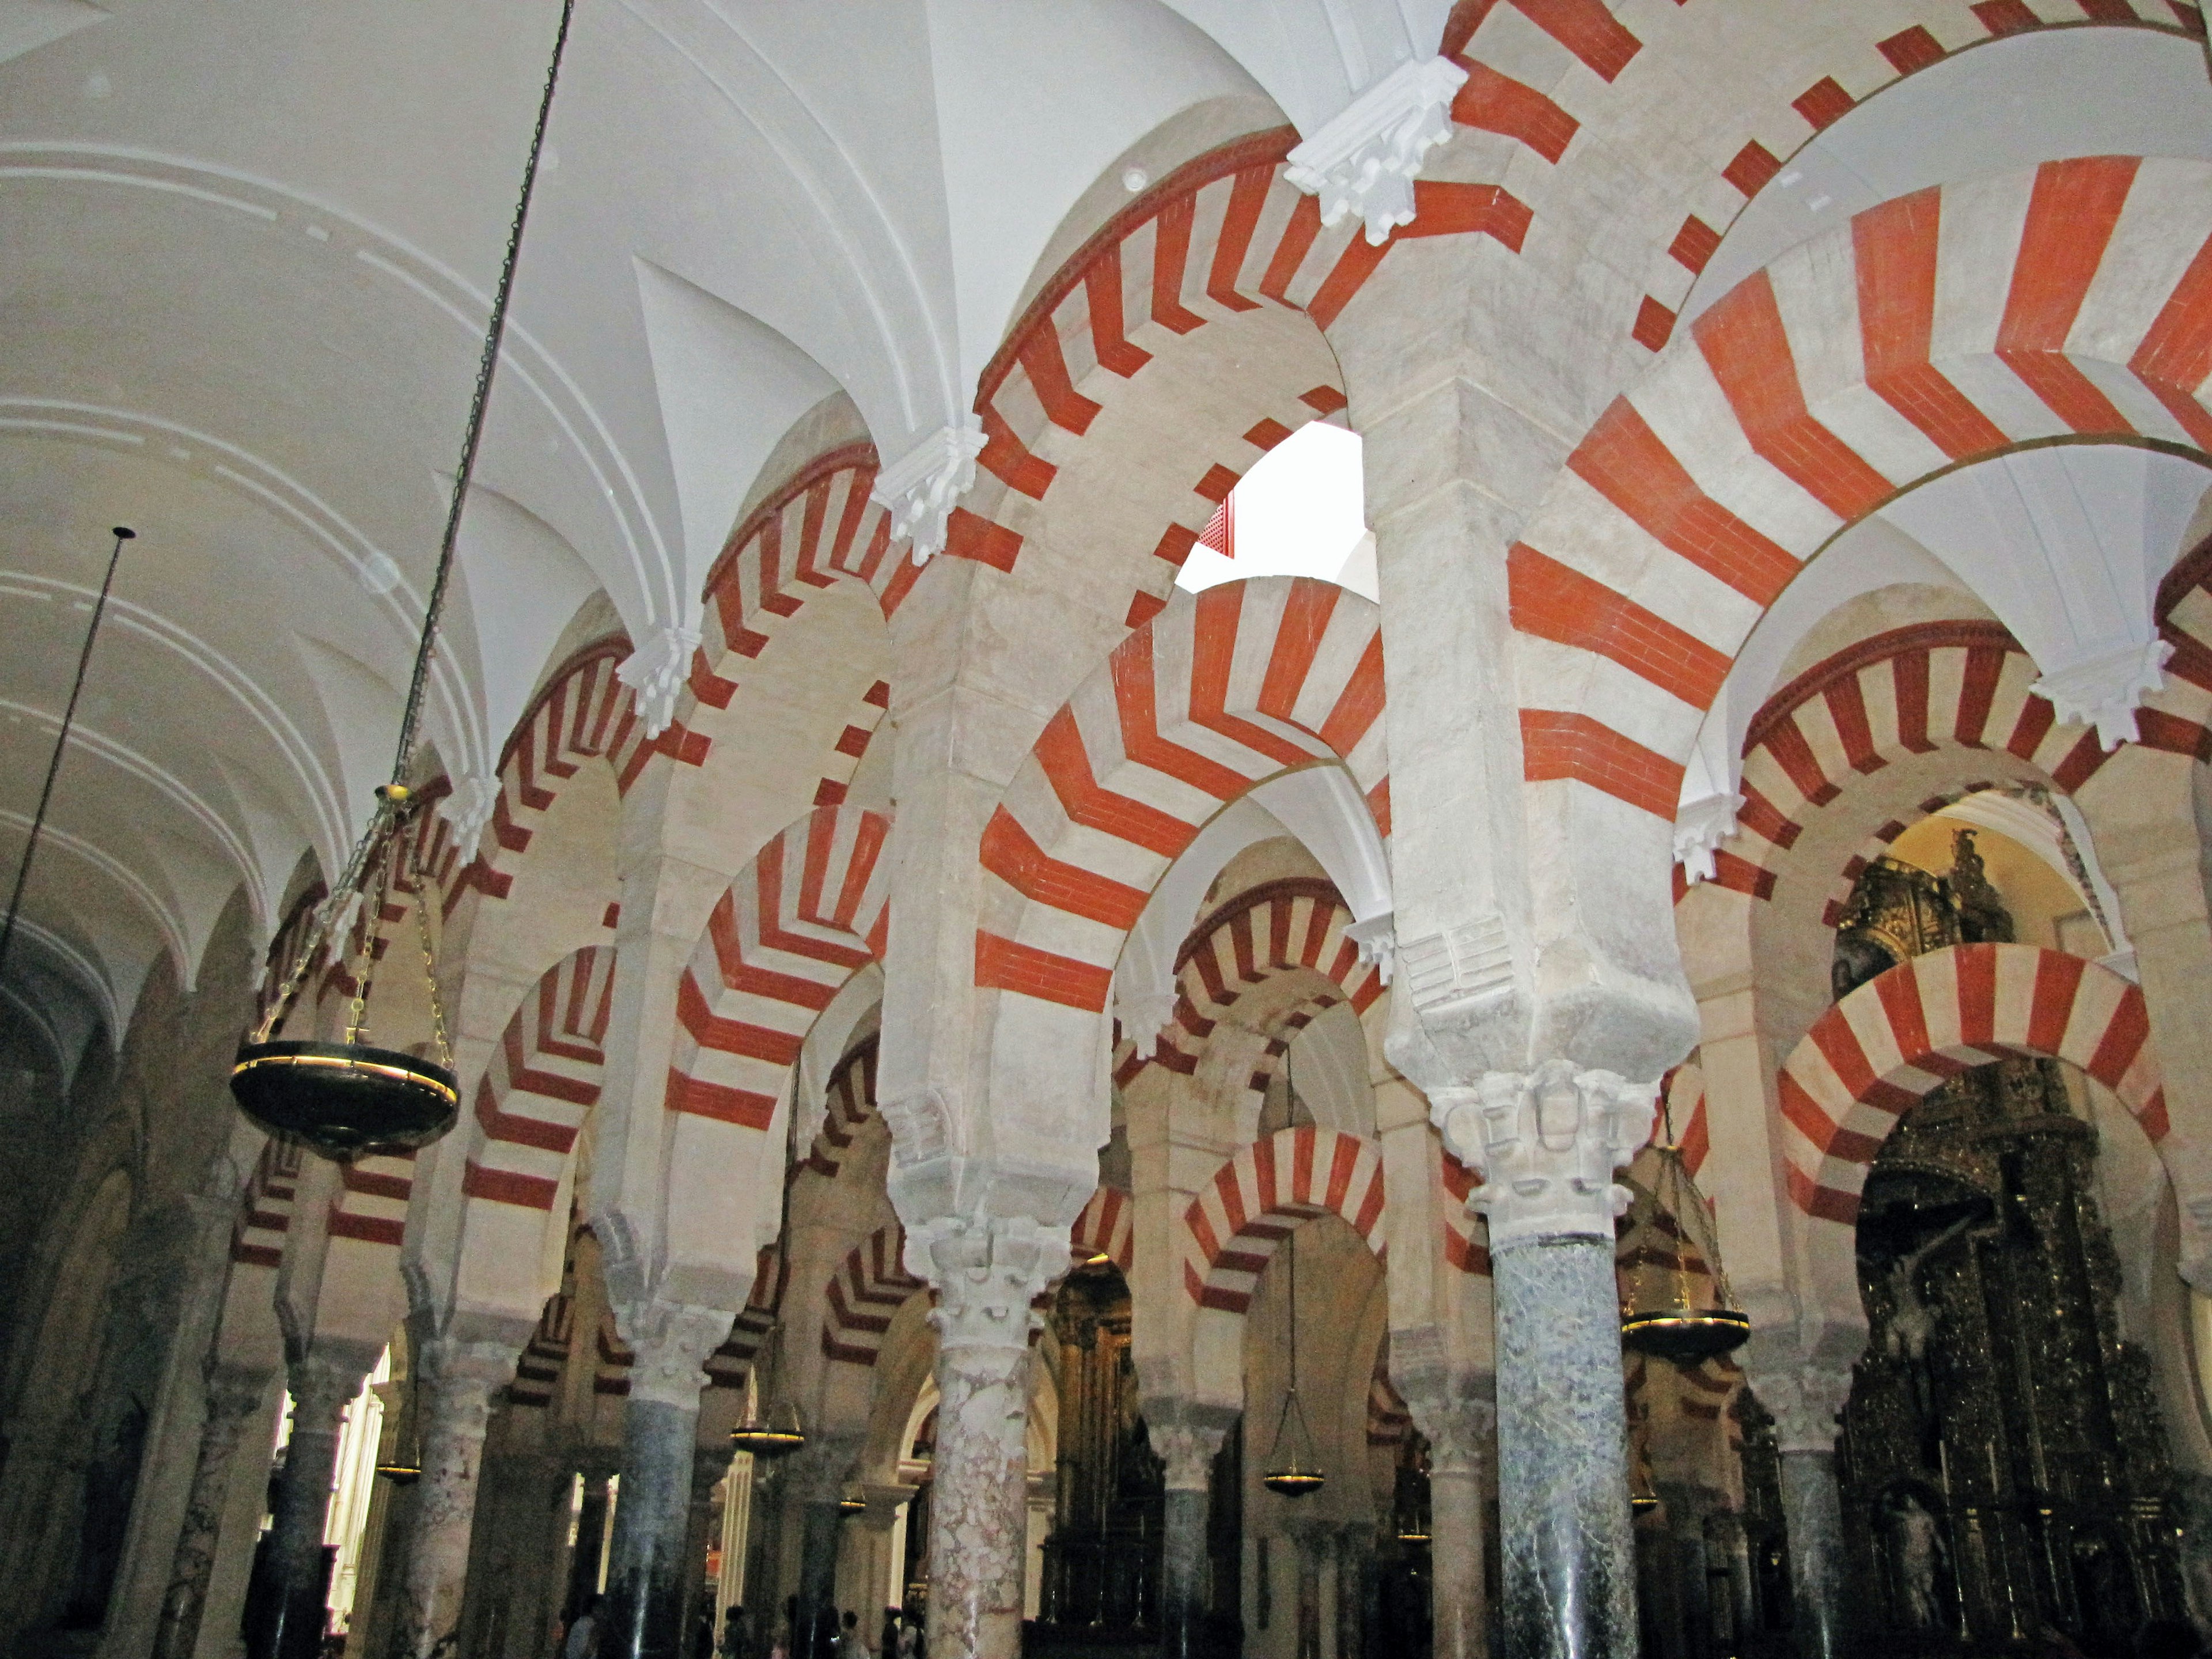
{"x": 541, "y": 1083}
{"x": 1857, "y": 70}
{"x": 1218, "y": 692}
{"x": 817, "y": 531}
{"x": 849, "y": 1105}
{"x": 1871, "y": 1056}
{"x": 1954, "y": 324}
{"x": 585, "y": 714}
{"x": 805, "y": 917}
{"x": 1467, "y": 1237}
{"x": 1280, "y": 928}
{"x": 1223, "y": 249}
{"x": 1254, "y": 1201}
{"x": 265, "y": 1209}
{"x": 869, "y": 1287}
{"x": 1106, "y": 1228}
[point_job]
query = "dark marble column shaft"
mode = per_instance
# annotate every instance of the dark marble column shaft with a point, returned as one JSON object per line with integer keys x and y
{"x": 1562, "y": 1452}
{"x": 232, "y": 1394}
{"x": 1185, "y": 1442}
{"x": 291, "y": 1624}
{"x": 817, "y": 1631}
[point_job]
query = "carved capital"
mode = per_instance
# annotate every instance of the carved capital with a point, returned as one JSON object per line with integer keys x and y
{"x": 1546, "y": 1143}
{"x": 1456, "y": 1413}
{"x": 1803, "y": 1400}
{"x": 1364, "y": 160}
{"x": 1700, "y": 827}
{"x": 2105, "y": 690}
{"x": 920, "y": 1123}
{"x": 657, "y": 670}
{"x": 323, "y": 1383}
{"x": 456, "y": 1380}
{"x": 468, "y": 808}
{"x": 672, "y": 1340}
{"x": 987, "y": 1270}
{"x": 1188, "y": 1447}
{"x": 919, "y": 489}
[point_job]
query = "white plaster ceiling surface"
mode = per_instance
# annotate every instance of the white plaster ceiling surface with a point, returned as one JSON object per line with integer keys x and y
{"x": 247, "y": 252}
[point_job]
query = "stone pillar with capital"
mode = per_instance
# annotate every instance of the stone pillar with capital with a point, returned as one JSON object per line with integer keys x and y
{"x": 816, "y": 1478}
{"x": 322, "y": 1383}
{"x": 454, "y": 1382}
{"x": 234, "y": 1392}
{"x": 987, "y": 1270}
{"x": 660, "y": 1426}
{"x": 1546, "y": 1142}
{"x": 1459, "y": 1419}
{"x": 1186, "y": 1437}
{"x": 1804, "y": 1401}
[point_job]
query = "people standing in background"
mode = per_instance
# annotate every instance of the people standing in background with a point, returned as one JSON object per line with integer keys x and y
{"x": 734, "y": 1639}
{"x": 583, "y": 1641}
{"x": 849, "y": 1644}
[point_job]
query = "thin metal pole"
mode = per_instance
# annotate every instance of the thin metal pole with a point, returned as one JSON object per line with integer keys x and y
{"x": 122, "y": 533}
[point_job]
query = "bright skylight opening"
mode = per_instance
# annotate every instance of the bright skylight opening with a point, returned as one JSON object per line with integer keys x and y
{"x": 1301, "y": 511}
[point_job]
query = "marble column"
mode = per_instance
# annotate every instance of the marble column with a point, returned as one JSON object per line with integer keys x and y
{"x": 709, "y": 1465}
{"x": 660, "y": 1426}
{"x": 1355, "y": 1578}
{"x": 292, "y": 1616}
{"x": 1804, "y": 1403}
{"x": 1187, "y": 1449}
{"x": 1686, "y": 1506}
{"x": 455, "y": 1382}
{"x": 817, "y": 1480}
{"x": 234, "y": 1392}
{"x": 1311, "y": 1538}
{"x": 987, "y": 1272}
{"x": 1460, "y": 1426}
{"x": 1548, "y": 1142}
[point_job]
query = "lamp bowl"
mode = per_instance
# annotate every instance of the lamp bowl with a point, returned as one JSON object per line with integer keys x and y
{"x": 1686, "y": 1336}
{"x": 1293, "y": 1481}
{"x": 764, "y": 1440}
{"x": 345, "y": 1099}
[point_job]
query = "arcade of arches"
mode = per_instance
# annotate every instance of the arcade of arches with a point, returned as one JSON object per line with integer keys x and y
{"x": 1150, "y": 708}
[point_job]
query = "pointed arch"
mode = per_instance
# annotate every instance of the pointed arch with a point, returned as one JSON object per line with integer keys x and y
{"x": 1106, "y": 1227}
{"x": 869, "y": 1285}
{"x": 543, "y": 1081}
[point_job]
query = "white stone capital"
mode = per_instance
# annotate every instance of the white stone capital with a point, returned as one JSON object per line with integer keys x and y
{"x": 671, "y": 1341}
{"x": 1700, "y": 827}
{"x": 1546, "y": 1143}
{"x": 1376, "y": 940}
{"x": 1144, "y": 1014}
{"x": 919, "y": 489}
{"x": 468, "y": 808}
{"x": 2105, "y": 691}
{"x": 987, "y": 1270}
{"x": 656, "y": 670}
{"x": 1803, "y": 1400}
{"x": 1365, "y": 159}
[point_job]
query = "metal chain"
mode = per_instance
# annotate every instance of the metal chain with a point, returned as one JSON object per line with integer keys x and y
{"x": 479, "y": 405}
{"x": 392, "y": 797}
{"x": 430, "y": 969}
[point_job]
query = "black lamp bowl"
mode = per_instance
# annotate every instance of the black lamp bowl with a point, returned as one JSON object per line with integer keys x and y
{"x": 1686, "y": 1337}
{"x": 401, "y": 1473}
{"x": 766, "y": 1440}
{"x": 1641, "y": 1502}
{"x": 1292, "y": 1481}
{"x": 345, "y": 1099}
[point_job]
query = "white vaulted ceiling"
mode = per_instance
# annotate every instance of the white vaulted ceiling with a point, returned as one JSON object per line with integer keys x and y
{"x": 247, "y": 252}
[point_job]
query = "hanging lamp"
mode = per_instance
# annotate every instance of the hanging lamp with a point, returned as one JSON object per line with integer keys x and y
{"x": 851, "y": 1501}
{"x": 771, "y": 1427}
{"x": 1675, "y": 1301}
{"x": 1294, "y": 1471}
{"x": 350, "y": 1098}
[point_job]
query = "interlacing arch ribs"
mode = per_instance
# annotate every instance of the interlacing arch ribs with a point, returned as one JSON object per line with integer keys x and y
{"x": 727, "y": 1365}
{"x": 1389, "y": 1421}
{"x": 1958, "y": 322}
{"x": 869, "y": 1287}
{"x": 1254, "y": 1201}
{"x": 1683, "y": 1090}
{"x": 1218, "y": 692}
{"x": 537, "y": 1371}
{"x": 1870, "y": 1057}
{"x": 1708, "y": 1387}
{"x": 264, "y": 1209}
{"x": 1949, "y": 28}
{"x": 806, "y": 915}
{"x": 1106, "y": 1228}
{"x": 852, "y": 745}
{"x": 543, "y": 1081}
{"x": 371, "y": 1204}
